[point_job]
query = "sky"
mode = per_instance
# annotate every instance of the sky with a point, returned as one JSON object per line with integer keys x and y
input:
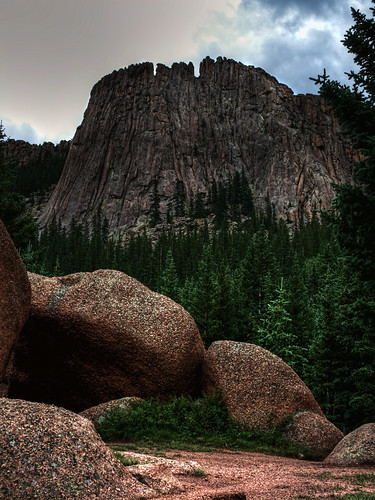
{"x": 52, "y": 52}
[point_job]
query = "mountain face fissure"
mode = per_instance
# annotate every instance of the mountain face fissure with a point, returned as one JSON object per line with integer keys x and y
{"x": 168, "y": 125}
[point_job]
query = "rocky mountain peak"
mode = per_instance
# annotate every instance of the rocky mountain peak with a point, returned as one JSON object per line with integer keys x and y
{"x": 167, "y": 126}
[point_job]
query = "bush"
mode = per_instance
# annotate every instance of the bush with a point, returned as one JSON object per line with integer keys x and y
{"x": 184, "y": 420}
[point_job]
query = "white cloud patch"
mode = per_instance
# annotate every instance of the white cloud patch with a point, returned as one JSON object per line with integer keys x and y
{"x": 24, "y": 132}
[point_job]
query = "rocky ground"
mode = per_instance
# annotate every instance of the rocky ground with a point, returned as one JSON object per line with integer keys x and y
{"x": 242, "y": 475}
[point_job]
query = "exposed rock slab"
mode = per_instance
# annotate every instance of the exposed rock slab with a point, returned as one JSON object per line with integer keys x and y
{"x": 356, "y": 448}
{"x": 261, "y": 390}
{"x": 161, "y": 474}
{"x": 170, "y": 125}
{"x": 48, "y": 452}
{"x": 15, "y": 296}
{"x": 100, "y": 336}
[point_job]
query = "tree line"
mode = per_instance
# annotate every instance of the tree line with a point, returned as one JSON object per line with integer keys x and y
{"x": 246, "y": 282}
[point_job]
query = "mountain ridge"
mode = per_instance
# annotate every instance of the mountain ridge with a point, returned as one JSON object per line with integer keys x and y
{"x": 165, "y": 125}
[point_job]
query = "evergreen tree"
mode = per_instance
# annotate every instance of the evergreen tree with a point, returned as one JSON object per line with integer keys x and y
{"x": 155, "y": 217}
{"x": 13, "y": 211}
{"x": 205, "y": 295}
{"x": 354, "y": 209}
{"x": 169, "y": 278}
{"x": 354, "y": 206}
{"x": 275, "y": 332}
{"x": 247, "y": 202}
{"x": 179, "y": 200}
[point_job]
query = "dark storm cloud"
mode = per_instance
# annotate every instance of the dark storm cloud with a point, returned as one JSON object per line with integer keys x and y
{"x": 307, "y": 7}
{"x": 294, "y": 63}
{"x": 291, "y": 39}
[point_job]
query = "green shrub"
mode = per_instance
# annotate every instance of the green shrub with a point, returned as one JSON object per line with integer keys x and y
{"x": 183, "y": 420}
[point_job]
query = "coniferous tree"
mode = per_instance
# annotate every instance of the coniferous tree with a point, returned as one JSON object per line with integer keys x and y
{"x": 353, "y": 212}
{"x": 179, "y": 200}
{"x": 13, "y": 211}
{"x": 155, "y": 216}
{"x": 276, "y": 334}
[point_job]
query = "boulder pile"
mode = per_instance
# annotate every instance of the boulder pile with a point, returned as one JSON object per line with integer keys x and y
{"x": 261, "y": 390}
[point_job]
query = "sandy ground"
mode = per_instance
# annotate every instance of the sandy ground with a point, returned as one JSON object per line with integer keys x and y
{"x": 231, "y": 475}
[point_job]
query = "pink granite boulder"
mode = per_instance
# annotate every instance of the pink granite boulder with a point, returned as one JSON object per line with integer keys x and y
{"x": 356, "y": 448}
{"x": 315, "y": 432}
{"x": 15, "y": 295}
{"x": 261, "y": 390}
{"x": 48, "y": 452}
{"x": 100, "y": 336}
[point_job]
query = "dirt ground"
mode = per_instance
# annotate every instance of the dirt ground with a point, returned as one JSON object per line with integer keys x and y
{"x": 231, "y": 475}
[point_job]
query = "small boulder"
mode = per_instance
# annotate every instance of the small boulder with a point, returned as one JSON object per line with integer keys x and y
{"x": 96, "y": 413}
{"x": 100, "y": 336}
{"x": 48, "y": 452}
{"x": 261, "y": 390}
{"x": 356, "y": 448}
{"x": 314, "y": 432}
{"x": 15, "y": 295}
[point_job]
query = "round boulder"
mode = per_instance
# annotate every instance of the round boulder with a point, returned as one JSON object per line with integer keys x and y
{"x": 356, "y": 448}
{"x": 48, "y": 452}
{"x": 261, "y": 390}
{"x": 100, "y": 336}
{"x": 314, "y": 432}
{"x": 15, "y": 295}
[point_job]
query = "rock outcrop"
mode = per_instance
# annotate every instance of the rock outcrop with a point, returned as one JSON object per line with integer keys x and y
{"x": 24, "y": 153}
{"x": 356, "y": 448}
{"x": 170, "y": 126}
{"x": 48, "y": 452}
{"x": 15, "y": 296}
{"x": 260, "y": 390}
{"x": 95, "y": 337}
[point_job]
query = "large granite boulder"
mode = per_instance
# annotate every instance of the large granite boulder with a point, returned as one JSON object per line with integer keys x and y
{"x": 261, "y": 390}
{"x": 95, "y": 337}
{"x": 15, "y": 295}
{"x": 48, "y": 452}
{"x": 356, "y": 448}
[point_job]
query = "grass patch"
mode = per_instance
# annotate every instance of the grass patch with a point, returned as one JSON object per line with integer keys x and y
{"x": 360, "y": 479}
{"x": 188, "y": 424}
{"x": 359, "y": 496}
{"x": 127, "y": 461}
{"x": 198, "y": 472}
{"x": 363, "y": 479}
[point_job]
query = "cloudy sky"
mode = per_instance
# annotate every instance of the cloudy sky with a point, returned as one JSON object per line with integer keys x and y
{"x": 53, "y": 51}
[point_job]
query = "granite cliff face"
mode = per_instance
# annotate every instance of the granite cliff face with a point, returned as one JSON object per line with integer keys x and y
{"x": 168, "y": 125}
{"x": 25, "y": 153}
